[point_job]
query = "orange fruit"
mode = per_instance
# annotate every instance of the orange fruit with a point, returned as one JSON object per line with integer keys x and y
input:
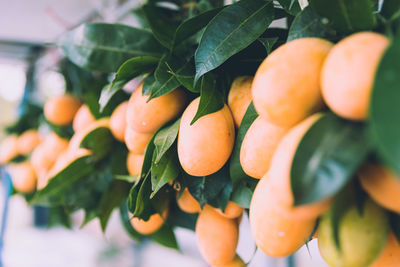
{"x": 236, "y": 262}
{"x": 151, "y": 225}
{"x": 232, "y": 210}
{"x": 118, "y": 121}
{"x": 205, "y": 146}
{"x": 83, "y": 117}
{"x": 61, "y": 110}
{"x": 23, "y": 177}
{"x": 28, "y": 141}
{"x": 239, "y": 98}
{"x": 134, "y": 163}
{"x": 348, "y": 73}
{"x": 286, "y": 86}
{"x": 8, "y": 149}
{"x": 137, "y": 142}
{"x": 188, "y": 203}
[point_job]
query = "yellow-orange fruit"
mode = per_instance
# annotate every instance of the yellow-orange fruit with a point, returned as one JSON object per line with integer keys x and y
{"x": 349, "y": 72}
{"x": 258, "y": 147}
{"x": 382, "y": 185}
{"x": 28, "y": 141}
{"x": 390, "y": 256}
{"x": 236, "y": 262}
{"x": 279, "y": 173}
{"x": 232, "y": 210}
{"x": 45, "y": 154}
{"x": 8, "y": 149}
{"x": 137, "y": 142}
{"x": 239, "y": 98}
{"x": 151, "y": 225}
{"x": 205, "y": 146}
{"x": 61, "y": 110}
{"x": 78, "y": 137}
{"x": 23, "y": 176}
{"x": 275, "y": 231}
{"x": 83, "y": 118}
{"x": 286, "y": 86}
{"x": 188, "y": 203}
{"x": 145, "y": 116}
{"x": 134, "y": 163}
{"x": 118, "y": 121}
{"x": 217, "y": 236}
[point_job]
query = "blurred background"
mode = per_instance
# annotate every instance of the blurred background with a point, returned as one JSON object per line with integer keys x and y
{"x": 27, "y": 59}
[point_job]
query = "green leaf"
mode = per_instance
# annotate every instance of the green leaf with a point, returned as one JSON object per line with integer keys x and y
{"x": 104, "y": 47}
{"x": 119, "y": 97}
{"x": 164, "y": 140}
{"x": 235, "y": 169}
{"x": 127, "y": 71}
{"x": 166, "y": 237}
{"x": 186, "y": 76}
{"x": 390, "y": 9}
{"x": 384, "y": 105}
{"x": 347, "y": 16}
{"x": 327, "y": 157}
{"x": 211, "y": 97}
{"x": 143, "y": 206}
{"x": 160, "y": 23}
{"x": 148, "y": 84}
{"x": 178, "y": 218}
{"x": 75, "y": 171}
{"x": 290, "y": 6}
{"x": 308, "y": 24}
{"x": 268, "y": 43}
{"x": 99, "y": 141}
{"x": 192, "y": 25}
{"x": 64, "y": 131}
{"x": 395, "y": 225}
{"x": 243, "y": 192}
{"x": 165, "y": 170}
{"x": 230, "y": 31}
{"x": 28, "y": 118}
{"x": 165, "y": 81}
{"x": 112, "y": 198}
{"x": 207, "y": 189}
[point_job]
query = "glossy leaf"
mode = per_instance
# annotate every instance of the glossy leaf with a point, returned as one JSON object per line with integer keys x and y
{"x": 327, "y": 157}
{"x": 347, "y": 16}
{"x": 243, "y": 192}
{"x": 308, "y": 24}
{"x": 165, "y": 170}
{"x": 104, "y": 47}
{"x": 192, "y": 25}
{"x": 384, "y": 126}
{"x": 99, "y": 141}
{"x": 268, "y": 43}
{"x": 164, "y": 140}
{"x": 235, "y": 169}
{"x": 166, "y": 237}
{"x": 130, "y": 69}
{"x": 291, "y": 6}
{"x": 162, "y": 27}
{"x": 230, "y": 31}
{"x": 179, "y": 218}
{"x": 391, "y": 9}
{"x": 186, "y": 76}
{"x": 211, "y": 97}
{"x": 148, "y": 84}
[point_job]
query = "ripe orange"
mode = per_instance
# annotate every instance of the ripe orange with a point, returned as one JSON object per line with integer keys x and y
{"x": 239, "y": 98}
{"x": 118, "y": 121}
{"x": 61, "y": 110}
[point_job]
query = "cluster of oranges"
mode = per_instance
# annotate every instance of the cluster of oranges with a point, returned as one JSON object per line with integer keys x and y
{"x": 289, "y": 90}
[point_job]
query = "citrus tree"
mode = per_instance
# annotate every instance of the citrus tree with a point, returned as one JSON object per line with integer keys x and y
{"x": 286, "y": 111}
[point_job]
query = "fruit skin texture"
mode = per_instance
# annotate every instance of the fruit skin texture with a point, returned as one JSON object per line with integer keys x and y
{"x": 137, "y": 142}
{"x": 390, "y": 257}
{"x": 28, "y": 141}
{"x": 217, "y": 236}
{"x": 258, "y": 147}
{"x": 8, "y": 149}
{"x": 382, "y": 185}
{"x": 83, "y": 117}
{"x": 148, "y": 117}
{"x": 61, "y": 110}
{"x": 150, "y": 226}
{"x": 232, "y": 210}
{"x": 279, "y": 173}
{"x": 239, "y": 98}
{"x": 236, "y": 262}
{"x": 118, "y": 121}
{"x": 188, "y": 203}
{"x": 348, "y": 74}
{"x": 276, "y": 231}
{"x": 23, "y": 176}
{"x": 362, "y": 238}
{"x": 205, "y": 146}
{"x": 286, "y": 85}
{"x": 134, "y": 163}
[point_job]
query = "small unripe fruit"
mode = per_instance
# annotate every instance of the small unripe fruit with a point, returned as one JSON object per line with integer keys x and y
{"x": 61, "y": 110}
{"x": 390, "y": 257}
